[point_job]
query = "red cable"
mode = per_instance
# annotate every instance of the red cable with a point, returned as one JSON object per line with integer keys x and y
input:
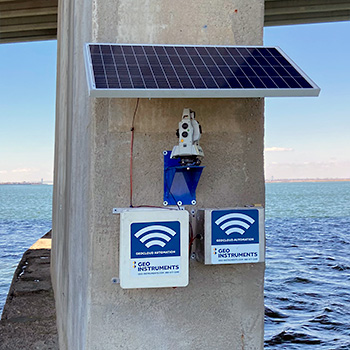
{"x": 192, "y": 238}
{"x": 131, "y": 158}
{"x": 132, "y": 148}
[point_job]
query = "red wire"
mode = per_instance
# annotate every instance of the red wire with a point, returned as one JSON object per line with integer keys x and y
{"x": 132, "y": 148}
{"x": 192, "y": 238}
{"x": 131, "y": 161}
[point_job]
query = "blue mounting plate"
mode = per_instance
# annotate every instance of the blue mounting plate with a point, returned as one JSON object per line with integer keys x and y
{"x": 180, "y": 182}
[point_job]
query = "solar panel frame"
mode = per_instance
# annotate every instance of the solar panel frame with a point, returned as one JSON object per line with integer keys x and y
{"x": 148, "y": 68}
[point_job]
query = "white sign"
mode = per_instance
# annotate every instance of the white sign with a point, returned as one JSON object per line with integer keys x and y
{"x": 234, "y": 236}
{"x": 154, "y": 248}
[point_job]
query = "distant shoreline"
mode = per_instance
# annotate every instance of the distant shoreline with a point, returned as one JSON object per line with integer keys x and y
{"x": 306, "y": 180}
{"x": 266, "y": 181}
{"x": 26, "y": 183}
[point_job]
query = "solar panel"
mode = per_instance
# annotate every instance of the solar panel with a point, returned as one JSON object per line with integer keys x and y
{"x": 174, "y": 71}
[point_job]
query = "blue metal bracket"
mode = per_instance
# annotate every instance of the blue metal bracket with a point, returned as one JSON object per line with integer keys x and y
{"x": 180, "y": 182}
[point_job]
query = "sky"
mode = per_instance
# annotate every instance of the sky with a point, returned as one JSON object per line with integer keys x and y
{"x": 27, "y": 111}
{"x": 305, "y": 137}
{"x": 309, "y": 137}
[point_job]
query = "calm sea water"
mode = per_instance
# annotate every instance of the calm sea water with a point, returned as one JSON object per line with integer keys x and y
{"x": 307, "y": 281}
{"x": 307, "y": 284}
{"x": 25, "y": 216}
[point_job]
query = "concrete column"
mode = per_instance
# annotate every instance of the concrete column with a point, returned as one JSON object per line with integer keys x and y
{"x": 223, "y": 305}
{"x": 71, "y": 257}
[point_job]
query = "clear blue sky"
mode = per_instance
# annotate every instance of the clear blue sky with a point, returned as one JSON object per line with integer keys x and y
{"x": 309, "y": 137}
{"x": 306, "y": 137}
{"x": 27, "y": 110}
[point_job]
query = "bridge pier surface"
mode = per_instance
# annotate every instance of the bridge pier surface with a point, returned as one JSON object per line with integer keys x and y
{"x": 223, "y": 305}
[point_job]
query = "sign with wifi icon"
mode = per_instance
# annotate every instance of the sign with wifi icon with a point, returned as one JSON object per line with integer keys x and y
{"x": 155, "y": 239}
{"x": 235, "y": 226}
{"x": 153, "y": 248}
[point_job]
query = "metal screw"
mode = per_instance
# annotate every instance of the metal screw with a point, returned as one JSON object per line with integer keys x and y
{"x": 115, "y": 280}
{"x": 165, "y": 153}
{"x": 193, "y": 256}
{"x": 193, "y": 202}
{"x": 179, "y": 203}
{"x": 165, "y": 203}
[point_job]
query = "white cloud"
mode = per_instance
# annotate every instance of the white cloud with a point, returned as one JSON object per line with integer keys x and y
{"x": 278, "y": 149}
{"x": 304, "y": 170}
{"x": 23, "y": 170}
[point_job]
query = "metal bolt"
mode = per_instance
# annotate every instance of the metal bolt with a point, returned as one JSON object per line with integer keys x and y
{"x": 165, "y": 153}
{"x": 193, "y": 256}
{"x": 179, "y": 203}
{"x": 193, "y": 202}
{"x": 165, "y": 203}
{"x": 115, "y": 280}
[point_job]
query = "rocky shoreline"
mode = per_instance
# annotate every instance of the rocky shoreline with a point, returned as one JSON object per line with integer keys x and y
{"x": 28, "y": 320}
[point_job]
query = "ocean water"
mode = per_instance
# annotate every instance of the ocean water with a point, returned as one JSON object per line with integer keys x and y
{"x": 307, "y": 280}
{"x": 25, "y": 216}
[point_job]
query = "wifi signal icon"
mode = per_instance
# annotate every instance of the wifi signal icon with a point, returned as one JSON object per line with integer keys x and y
{"x": 155, "y": 235}
{"x": 235, "y": 223}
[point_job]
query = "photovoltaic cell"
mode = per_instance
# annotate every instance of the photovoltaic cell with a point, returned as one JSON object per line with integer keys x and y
{"x": 124, "y": 70}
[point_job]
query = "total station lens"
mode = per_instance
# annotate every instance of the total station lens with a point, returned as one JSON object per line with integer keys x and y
{"x": 184, "y": 125}
{"x": 184, "y": 134}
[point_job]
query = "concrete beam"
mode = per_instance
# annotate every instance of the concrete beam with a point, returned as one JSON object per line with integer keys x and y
{"x": 28, "y": 23}
{"x": 288, "y": 12}
{"x": 27, "y": 27}
{"x": 277, "y": 12}
{"x": 298, "y": 6}
{"x": 26, "y": 4}
{"x": 29, "y": 35}
{"x": 28, "y": 20}
{"x": 305, "y": 19}
{"x": 34, "y": 12}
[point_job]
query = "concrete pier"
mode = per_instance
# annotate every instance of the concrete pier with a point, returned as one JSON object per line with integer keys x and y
{"x": 28, "y": 320}
{"x": 223, "y": 306}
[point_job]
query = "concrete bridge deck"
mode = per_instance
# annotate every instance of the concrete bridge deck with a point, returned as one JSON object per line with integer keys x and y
{"x": 30, "y": 20}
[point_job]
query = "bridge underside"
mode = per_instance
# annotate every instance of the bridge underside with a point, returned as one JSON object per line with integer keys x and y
{"x": 288, "y": 12}
{"x": 31, "y": 20}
